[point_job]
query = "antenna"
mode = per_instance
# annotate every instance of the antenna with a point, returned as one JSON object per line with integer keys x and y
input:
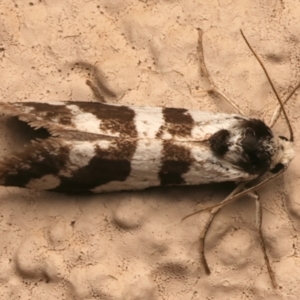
{"x": 273, "y": 88}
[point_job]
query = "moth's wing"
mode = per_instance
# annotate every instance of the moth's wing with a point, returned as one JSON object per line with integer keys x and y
{"x": 80, "y": 132}
{"x": 60, "y": 118}
{"x": 110, "y": 148}
{"x": 113, "y": 165}
{"x": 36, "y": 114}
{"x": 117, "y": 120}
{"x": 67, "y": 166}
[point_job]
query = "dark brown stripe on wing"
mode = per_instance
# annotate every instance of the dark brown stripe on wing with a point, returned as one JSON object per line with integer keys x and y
{"x": 178, "y": 122}
{"x": 49, "y": 157}
{"x": 118, "y": 119}
{"x": 176, "y": 161}
{"x": 112, "y": 164}
{"x": 39, "y": 159}
{"x": 53, "y": 113}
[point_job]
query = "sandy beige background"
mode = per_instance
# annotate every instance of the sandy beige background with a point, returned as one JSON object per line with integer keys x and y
{"x": 133, "y": 245}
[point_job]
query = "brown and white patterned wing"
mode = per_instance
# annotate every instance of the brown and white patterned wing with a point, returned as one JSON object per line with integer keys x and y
{"x": 81, "y": 117}
{"x": 101, "y": 148}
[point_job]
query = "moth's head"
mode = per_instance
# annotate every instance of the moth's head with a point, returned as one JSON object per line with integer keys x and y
{"x": 284, "y": 155}
{"x": 252, "y": 146}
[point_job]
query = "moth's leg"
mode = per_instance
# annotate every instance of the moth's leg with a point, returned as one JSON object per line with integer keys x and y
{"x": 96, "y": 91}
{"x": 213, "y": 212}
{"x": 213, "y": 91}
{"x": 261, "y": 237}
{"x": 203, "y": 238}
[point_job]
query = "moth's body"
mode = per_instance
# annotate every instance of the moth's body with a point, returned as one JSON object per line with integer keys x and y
{"x": 102, "y": 148}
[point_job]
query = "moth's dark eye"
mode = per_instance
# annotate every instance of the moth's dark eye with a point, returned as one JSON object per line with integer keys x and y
{"x": 249, "y": 132}
{"x": 283, "y": 138}
{"x": 277, "y": 168}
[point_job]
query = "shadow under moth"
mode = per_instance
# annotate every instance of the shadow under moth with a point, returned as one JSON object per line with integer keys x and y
{"x": 98, "y": 147}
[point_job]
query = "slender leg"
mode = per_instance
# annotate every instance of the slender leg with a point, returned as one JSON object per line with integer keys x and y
{"x": 204, "y": 72}
{"x": 262, "y": 242}
{"x": 213, "y": 213}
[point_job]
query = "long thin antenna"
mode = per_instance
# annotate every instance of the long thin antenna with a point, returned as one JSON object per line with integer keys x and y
{"x": 278, "y": 108}
{"x": 273, "y": 88}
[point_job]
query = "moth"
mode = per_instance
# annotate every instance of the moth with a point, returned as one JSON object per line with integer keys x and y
{"x": 98, "y": 147}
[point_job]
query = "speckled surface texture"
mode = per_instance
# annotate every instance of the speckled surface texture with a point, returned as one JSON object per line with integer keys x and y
{"x": 133, "y": 246}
